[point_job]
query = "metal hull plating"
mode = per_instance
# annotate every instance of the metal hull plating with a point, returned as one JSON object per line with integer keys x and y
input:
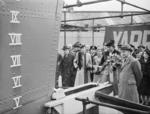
{"x": 29, "y": 31}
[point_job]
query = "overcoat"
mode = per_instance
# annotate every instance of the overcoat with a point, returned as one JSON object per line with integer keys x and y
{"x": 83, "y": 74}
{"x": 129, "y": 78}
{"x": 144, "y": 88}
{"x": 67, "y": 70}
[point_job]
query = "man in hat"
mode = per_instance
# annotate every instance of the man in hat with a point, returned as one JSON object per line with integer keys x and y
{"x": 66, "y": 68}
{"x": 111, "y": 48}
{"x": 130, "y": 76}
{"x": 113, "y": 56}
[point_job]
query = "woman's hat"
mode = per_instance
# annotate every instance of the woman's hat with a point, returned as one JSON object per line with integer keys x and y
{"x": 82, "y": 46}
{"x": 93, "y": 48}
{"x": 77, "y": 44}
{"x": 147, "y": 51}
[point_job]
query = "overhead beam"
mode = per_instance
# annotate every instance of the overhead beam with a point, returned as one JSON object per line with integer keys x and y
{"x": 85, "y": 3}
{"x": 116, "y": 16}
{"x": 124, "y": 2}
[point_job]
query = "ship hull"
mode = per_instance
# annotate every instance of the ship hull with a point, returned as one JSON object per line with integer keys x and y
{"x": 29, "y": 31}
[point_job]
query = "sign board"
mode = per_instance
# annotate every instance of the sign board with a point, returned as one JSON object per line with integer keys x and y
{"x": 134, "y": 35}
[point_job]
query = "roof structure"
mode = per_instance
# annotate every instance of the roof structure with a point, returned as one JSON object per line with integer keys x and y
{"x": 103, "y": 22}
{"x": 85, "y": 20}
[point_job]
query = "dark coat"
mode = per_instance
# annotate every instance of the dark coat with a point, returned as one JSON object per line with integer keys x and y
{"x": 67, "y": 71}
{"x": 144, "y": 88}
{"x": 58, "y": 72}
{"x": 116, "y": 52}
{"x": 129, "y": 78}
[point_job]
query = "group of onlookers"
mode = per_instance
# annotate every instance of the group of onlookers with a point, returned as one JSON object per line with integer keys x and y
{"x": 126, "y": 67}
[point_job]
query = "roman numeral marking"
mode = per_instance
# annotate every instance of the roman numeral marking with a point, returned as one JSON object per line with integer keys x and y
{"x": 15, "y": 39}
{"x": 14, "y": 15}
{"x": 15, "y": 60}
{"x": 17, "y": 81}
{"x": 17, "y": 102}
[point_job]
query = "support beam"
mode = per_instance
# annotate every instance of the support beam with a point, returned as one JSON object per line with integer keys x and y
{"x": 85, "y": 3}
{"x": 124, "y": 2}
{"x": 116, "y": 16}
{"x": 93, "y": 32}
{"x": 64, "y": 29}
{"x": 131, "y": 20}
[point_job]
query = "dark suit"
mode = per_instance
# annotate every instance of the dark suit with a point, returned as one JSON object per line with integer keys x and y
{"x": 129, "y": 78}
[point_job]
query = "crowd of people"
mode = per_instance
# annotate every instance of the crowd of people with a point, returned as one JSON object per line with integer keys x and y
{"x": 126, "y": 67}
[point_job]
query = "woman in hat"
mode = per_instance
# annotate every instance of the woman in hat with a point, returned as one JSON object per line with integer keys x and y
{"x": 97, "y": 66}
{"x": 144, "y": 89}
{"x": 82, "y": 62}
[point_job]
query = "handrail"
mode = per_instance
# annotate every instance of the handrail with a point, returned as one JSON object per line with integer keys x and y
{"x": 125, "y": 110}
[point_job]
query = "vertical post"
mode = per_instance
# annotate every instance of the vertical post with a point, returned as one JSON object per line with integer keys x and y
{"x": 84, "y": 103}
{"x": 131, "y": 19}
{"x": 84, "y": 108}
{"x": 115, "y": 82}
{"x": 64, "y": 28}
{"x": 122, "y": 3}
{"x": 93, "y": 32}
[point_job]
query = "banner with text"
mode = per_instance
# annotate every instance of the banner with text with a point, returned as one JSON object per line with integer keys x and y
{"x": 134, "y": 35}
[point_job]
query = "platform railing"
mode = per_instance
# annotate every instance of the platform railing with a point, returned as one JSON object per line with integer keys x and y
{"x": 131, "y": 108}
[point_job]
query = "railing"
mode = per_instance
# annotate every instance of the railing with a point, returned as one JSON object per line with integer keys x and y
{"x": 119, "y": 104}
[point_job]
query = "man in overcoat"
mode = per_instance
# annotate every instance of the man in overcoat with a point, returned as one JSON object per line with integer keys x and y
{"x": 130, "y": 76}
{"x": 67, "y": 68}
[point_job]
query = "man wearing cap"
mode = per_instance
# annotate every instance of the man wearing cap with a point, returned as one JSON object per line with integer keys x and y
{"x": 130, "y": 76}
{"x": 66, "y": 68}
